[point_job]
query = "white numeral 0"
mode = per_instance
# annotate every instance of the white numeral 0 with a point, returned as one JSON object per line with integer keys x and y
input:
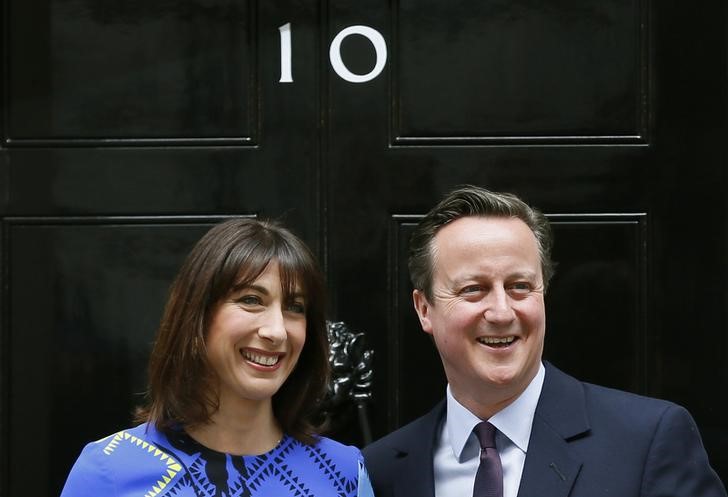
{"x": 379, "y": 46}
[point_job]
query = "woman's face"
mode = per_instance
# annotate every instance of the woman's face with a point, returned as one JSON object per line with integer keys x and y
{"x": 255, "y": 339}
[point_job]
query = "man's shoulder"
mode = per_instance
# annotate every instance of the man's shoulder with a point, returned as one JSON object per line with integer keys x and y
{"x": 620, "y": 404}
{"x": 602, "y": 393}
{"x": 417, "y": 434}
{"x": 564, "y": 393}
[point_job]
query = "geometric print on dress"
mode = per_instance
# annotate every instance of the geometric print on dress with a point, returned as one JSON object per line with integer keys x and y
{"x": 199, "y": 477}
{"x": 192, "y": 481}
{"x": 169, "y": 467}
{"x": 273, "y": 466}
{"x": 298, "y": 470}
{"x": 187, "y": 469}
{"x": 344, "y": 486}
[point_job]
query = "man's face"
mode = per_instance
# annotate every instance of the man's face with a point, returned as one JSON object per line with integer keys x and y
{"x": 487, "y": 313}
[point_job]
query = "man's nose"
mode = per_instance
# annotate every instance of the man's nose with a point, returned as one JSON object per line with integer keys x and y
{"x": 498, "y": 308}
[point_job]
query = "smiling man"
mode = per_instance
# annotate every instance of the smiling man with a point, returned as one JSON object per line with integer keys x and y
{"x": 510, "y": 425}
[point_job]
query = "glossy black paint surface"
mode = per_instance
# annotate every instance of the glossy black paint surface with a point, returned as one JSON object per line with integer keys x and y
{"x": 85, "y": 301}
{"x": 130, "y": 127}
{"x": 519, "y": 70}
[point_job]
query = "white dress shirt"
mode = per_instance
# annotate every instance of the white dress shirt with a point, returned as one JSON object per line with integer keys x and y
{"x": 457, "y": 450}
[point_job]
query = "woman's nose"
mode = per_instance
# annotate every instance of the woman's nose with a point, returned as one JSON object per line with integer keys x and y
{"x": 273, "y": 327}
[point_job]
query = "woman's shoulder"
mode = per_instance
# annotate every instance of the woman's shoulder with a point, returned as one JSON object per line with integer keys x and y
{"x": 352, "y": 458}
{"x": 144, "y": 436}
{"x": 335, "y": 449}
{"x": 324, "y": 455}
{"x": 325, "y": 467}
{"x": 107, "y": 444}
{"x": 127, "y": 455}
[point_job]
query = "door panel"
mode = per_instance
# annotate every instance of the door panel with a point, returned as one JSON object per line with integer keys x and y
{"x": 133, "y": 71}
{"x": 86, "y": 298}
{"x": 498, "y": 72}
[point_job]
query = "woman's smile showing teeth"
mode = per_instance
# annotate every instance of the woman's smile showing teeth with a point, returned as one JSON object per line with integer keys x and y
{"x": 497, "y": 341}
{"x": 260, "y": 358}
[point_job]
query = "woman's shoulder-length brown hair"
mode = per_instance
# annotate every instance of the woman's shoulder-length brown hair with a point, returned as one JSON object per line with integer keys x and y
{"x": 181, "y": 390}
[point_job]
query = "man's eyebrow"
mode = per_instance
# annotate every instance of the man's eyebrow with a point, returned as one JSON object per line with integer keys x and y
{"x": 477, "y": 277}
{"x": 524, "y": 274}
{"x": 459, "y": 280}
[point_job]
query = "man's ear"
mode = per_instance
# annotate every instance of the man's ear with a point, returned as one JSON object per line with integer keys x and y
{"x": 422, "y": 306}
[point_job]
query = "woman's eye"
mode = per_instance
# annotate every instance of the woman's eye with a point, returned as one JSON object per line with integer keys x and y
{"x": 249, "y": 300}
{"x": 297, "y": 307}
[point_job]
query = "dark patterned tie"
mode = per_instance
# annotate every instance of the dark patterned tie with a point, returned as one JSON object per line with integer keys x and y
{"x": 489, "y": 478}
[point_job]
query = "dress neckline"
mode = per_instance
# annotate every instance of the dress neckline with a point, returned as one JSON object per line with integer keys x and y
{"x": 199, "y": 447}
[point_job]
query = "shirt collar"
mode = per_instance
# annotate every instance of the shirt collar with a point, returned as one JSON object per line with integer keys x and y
{"x": 514, "y": 421}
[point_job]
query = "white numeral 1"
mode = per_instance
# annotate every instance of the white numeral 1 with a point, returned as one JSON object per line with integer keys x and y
{"x": 285, "y": 31}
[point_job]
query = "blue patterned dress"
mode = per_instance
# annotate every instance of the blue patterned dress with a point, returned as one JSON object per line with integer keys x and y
{"x": 144, "y": 462}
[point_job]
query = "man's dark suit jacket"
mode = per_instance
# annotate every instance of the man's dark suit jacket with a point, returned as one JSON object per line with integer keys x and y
{"x": 586, "y": 441}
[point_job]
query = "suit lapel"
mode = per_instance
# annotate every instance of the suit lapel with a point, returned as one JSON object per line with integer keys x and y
{"x": 417, "y": 477}
{"x": 551, "y": 468}
{"x": 415, "y": 457}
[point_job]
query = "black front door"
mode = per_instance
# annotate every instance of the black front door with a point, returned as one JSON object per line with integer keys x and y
{"x": 130, "y": 127}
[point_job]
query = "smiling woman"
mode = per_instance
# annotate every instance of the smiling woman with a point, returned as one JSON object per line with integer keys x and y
{"x": 236, "y": 374}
